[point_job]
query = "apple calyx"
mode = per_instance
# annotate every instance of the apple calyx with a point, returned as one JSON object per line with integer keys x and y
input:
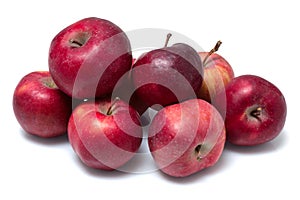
{"x": 256, "y": 113}
{"x": 213, "y": 50}
{"x": 167, "y": 39}
{"x": 198, "y": 152}
{"x": 79, "y": 40}
{"x": 112, "y": 106}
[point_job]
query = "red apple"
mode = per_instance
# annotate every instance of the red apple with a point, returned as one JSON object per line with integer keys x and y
{"x": 167, "y": 75}
{"x": 40, "y": 107}
{"x": 187, "y": 137}
{"x": 217, "y": 74}
{"x": 255, "y": 110}
{"x": 87, "y": 58}
{"x": 105, "y": 134}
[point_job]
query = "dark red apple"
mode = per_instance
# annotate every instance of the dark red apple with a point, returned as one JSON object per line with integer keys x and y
{"x": 87, "y": 58}
{"x": 40, "y": 107}
{"x": 217, "y": 74}
{"x": 105, "y": 134}
{"x": 168, "y": 75}
{"x": 187, "y": 137}
{"x": 255, "y": 110}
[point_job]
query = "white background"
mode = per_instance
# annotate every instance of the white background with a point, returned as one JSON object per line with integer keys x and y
{"x": 259, "y": 37}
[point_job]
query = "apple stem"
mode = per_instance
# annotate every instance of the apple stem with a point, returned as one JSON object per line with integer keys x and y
{"x": 213, "y": 50}
{"x": 110, "y": 109}
{"x": 256, "y": 113}
{"x": 167, "y": 39}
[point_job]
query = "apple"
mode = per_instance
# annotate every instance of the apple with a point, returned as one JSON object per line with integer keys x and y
{"x": 255, "y": 110}
{"x": 187, "y": 137}
{"x": 40, "y": 107}
{"x": 105, "y": 134}
{"x": 217, "y": 74}
{"x": 87, "y": 58}
{"x": 168, "y": 75}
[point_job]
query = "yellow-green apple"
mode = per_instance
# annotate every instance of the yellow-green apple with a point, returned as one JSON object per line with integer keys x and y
{"x": 40, "y": 107}
{"x": 105, "y": 134}
{"x": 255, "y": 110}
{"x": 187, "y": 137}
{"x": 217, "y": 74}
{"x": 87, "y": 58}
{"x": 168, "y": 75}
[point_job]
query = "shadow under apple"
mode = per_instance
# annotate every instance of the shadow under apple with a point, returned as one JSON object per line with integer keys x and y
{"x": 219, "y": 167}
{"x": 98, "y": 173}
{"x": 271, "y": 146}
{"x": 59, "y": 140}
{"x": 227, "y": 160}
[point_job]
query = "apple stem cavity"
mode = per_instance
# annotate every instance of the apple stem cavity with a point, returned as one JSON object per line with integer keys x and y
{"x": 167, "y": 39}
{"x": 79, "y": 40}
{"x": 48, "y": 82}
{"x": 111, "y": 108}
{"x": 75, "y": 43}
{"x": 213, "y": 50}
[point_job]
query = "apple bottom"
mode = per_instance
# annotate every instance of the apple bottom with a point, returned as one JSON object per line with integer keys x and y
{"x": 183, "y": 167}
{"x": 187, "y": 137}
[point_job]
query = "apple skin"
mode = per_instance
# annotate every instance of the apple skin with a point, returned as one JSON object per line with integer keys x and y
{"x": 187, "y": 137}
{"x": 40, "y": 107}
{"x": 255, "y": 110}
{"x": 101, "y": 140}
{"x": 168, "y": 75}
{"x": 217, "y": 74}
{"x": 87, "y": 58}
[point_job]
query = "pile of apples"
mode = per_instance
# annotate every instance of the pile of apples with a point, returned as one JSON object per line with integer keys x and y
{"x": 96, "y": 93}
